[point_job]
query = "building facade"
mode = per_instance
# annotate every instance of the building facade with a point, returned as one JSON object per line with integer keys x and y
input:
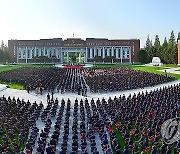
{"x": 58, "y": 50}
{"x": 178, "y": 52}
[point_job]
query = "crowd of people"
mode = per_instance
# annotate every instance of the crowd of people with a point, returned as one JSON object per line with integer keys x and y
{"x": 123, "y": 78}
{"x": 16, "y": 119}
{"x": 121, "y": 125}
{"x": 78, "y": 80}
{"x": 138, "y": 120}
{"x": 47, "y": 79}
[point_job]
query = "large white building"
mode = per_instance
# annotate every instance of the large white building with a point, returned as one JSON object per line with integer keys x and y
{"x": 59, "y": 50}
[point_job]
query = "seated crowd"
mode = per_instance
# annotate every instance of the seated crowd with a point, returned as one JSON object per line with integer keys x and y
{"x": 123, "y": 78}
{"x": 121, "y": 125}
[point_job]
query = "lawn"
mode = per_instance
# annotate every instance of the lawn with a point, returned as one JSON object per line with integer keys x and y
{"x": 11, "y": 67}
{"x": 153, "y": 69}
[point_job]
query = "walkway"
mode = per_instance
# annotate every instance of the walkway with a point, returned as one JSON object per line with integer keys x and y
{"x": 171, "y": 70}
{"x": 32, "y": 96}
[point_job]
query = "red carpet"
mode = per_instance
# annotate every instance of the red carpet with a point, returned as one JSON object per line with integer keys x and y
{"x": 71, "y": 66}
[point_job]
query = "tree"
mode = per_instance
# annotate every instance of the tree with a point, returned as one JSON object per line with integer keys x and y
{"x": 148, "y": 43}
{"x": 165, "y": 42}
{"x": 143, "y": 56}
{"x": 167, "y": 51}
{"x": 163, "y": 54}
{"x": 178, "y": 38}
{"x": 156, "y": 46}
{"x": 172, "y": 39}
{"x": 3, "y": 53}
{"x": 157, "y": 42}
{"x": 2, "y": 45}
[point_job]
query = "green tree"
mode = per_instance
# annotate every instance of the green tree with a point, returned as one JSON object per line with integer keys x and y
{"x": 165, "y": 44}
{"x": 172, "y": 39}
{"x": 156, "y": 46}
{"x": 178, "y": 38}
{"x": 163, "y": 51}
{"x": 167, "y": 51}
{"x": 172, "y": 49}
{"x": 3, "y": 53}
{"x": 148, "y": 43}
{"x": 143, "y": 56}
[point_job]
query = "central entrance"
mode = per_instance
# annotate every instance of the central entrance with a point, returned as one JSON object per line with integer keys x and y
{"x": 73, "y": 56}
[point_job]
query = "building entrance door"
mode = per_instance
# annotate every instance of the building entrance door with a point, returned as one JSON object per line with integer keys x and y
{"x": 74, "y": 58}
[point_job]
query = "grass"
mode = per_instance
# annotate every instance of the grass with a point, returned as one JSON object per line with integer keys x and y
{"x": 13, "y": 85}
{"x": 11, "y": 67}
{"x": 153, "y": 69}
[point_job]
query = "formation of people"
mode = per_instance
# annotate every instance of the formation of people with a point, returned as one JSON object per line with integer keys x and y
{"x": 78, "y": 80}
{"x": 16, "y": 119}
{"x": 138, "y": 119}
{"x": 121, "y": 125}
{"x": 47, "y": 79}
{"x": 123, "y": 78}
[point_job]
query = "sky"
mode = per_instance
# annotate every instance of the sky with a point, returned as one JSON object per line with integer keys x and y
{"x": 112, "y": 19}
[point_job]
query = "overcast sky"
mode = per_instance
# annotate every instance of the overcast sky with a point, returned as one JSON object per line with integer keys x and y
{"x": 113, "y": 19}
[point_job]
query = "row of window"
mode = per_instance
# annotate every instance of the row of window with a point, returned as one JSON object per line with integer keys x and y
{"x": 115, "y": 53}
{"x": 108, "y": 43}
{"x": 90, "y": 43}
{"x": 42, "y": 44}
{"x": 32, "y": 54}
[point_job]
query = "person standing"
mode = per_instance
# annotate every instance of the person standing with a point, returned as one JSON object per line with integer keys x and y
{"x": 28, "y": 88}
{"x": 85, "y": 92}
{"x": 48, "y": 97}
{"x": 82, "y": 91}
{"x": 41, "y": 90}
{"x": 52, "y": 94}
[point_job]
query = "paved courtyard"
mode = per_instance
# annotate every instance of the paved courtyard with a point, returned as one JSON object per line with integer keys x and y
{"x": 171, "y": 70}
{"x": 32, "y": 96}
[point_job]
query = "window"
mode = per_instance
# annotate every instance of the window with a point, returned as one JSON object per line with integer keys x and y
{"x": 19, "y": 53}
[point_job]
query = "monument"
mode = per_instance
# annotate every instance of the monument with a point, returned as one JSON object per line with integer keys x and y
{"x": 156, "y": 61}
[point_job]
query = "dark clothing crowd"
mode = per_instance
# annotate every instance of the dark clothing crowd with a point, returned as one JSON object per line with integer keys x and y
{"x": 76, "y": 80}
{"x": 16, "y": 119}
{"x": 47, "y": 79}
{"x": 121, "y": 125}
{"x": 123, "y": 78}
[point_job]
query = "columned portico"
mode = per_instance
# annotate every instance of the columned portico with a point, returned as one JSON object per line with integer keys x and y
{"x": 117, "y": 53}
{"x": 91, "y": 54}
{"x": 121, "y": 54}
{"x": 62, "y": 57}
{"x": 26, "y": 54}
{"x": 112, "y": 52}
{"x": 86, "y": 55}
{"x": 67, "y": 53}
{"x": 94, "y": 51}
{"x": 103, "y": 52}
